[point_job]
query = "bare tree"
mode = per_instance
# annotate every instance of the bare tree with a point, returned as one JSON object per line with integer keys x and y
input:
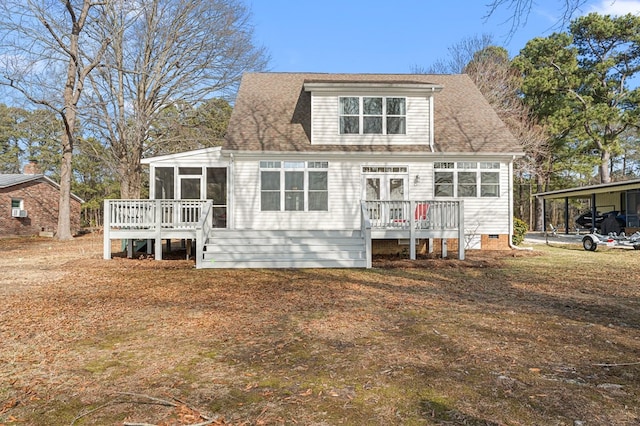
{"x": 165, "y": 53}
{"x": 459, "y": 55}
{"x": 500, "y": 83}
{"x": 520, "y": 10}
{"x": 495, "y": 76}
{"x": 47, "y": 50}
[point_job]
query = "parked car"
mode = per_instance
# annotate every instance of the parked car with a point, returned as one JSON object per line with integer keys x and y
{"x": 584, "y": 220}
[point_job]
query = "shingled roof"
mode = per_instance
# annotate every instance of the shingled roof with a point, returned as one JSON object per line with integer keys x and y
{"x": 273, "y": 113}
{"x": 14, "y": 179}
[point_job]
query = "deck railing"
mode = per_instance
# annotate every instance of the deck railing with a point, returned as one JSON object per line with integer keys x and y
{"x": 150, "y": 214}
{"x": 157, "y": 218}
{"x": 417, "y": 218}
{"x": 423, "y": 214}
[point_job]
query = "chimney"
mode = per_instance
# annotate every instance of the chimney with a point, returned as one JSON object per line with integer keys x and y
{"x": 32, "y": 168}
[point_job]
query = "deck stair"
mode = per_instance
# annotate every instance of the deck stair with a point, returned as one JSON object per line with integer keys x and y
{"x": 227, "y": 248}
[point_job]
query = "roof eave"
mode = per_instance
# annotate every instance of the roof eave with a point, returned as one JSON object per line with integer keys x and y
{"x": 331, "y": 86}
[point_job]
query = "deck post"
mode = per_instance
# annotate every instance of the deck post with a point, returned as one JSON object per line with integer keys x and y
{"x": 412, "y": 230}
{"x": 130, "y": 248}
{"x": 158, "y": 230}
{"x": 368, "y": 248}
{"x": 461, "y": 241}
{"x": 106, "y": 228}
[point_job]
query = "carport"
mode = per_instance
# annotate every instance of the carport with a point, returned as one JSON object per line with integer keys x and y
{"x": 621, "y": 196}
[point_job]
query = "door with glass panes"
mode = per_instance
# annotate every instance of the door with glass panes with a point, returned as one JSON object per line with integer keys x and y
{"x": 210, "y": 183}
{"x": 385, "y": 187}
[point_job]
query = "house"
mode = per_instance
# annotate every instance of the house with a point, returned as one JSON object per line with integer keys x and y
{"x": 321, "y": 170}
{"x": 29, "y": 204}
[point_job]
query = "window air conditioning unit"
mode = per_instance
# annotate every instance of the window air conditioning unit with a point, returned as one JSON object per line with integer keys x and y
{"x": 16, "y": 212}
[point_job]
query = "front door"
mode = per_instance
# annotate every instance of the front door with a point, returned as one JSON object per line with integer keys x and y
{"x": 385, "y": 187}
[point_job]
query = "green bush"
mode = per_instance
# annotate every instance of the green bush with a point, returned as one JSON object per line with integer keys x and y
{"x": 520, "y": 229}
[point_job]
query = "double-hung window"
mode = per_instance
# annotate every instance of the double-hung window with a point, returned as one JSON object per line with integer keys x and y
{"x": 363, "y": 115}
{"x": 467, "y": 179}
{"x": 294, "y": 186}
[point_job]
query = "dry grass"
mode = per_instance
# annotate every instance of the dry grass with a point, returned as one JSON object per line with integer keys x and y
{"x": 511, "y": 338}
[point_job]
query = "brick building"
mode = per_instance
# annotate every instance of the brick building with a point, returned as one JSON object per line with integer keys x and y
{"x": 29, "y": 204}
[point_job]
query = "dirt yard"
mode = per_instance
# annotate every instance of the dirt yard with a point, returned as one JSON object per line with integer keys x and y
{"x": 549, "y": 336}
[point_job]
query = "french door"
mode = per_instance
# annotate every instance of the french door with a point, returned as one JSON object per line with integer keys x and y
{"x": 385, "y": 187}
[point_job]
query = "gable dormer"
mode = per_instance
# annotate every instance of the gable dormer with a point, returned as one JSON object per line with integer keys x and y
{"x": 371, "y": 112}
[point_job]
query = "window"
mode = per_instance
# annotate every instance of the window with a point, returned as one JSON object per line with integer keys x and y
{"x": 164, "y": 183}
{"x": 372, "y": 115}
{"x": 466, "y": 179}
{"x": 294, "y": 186}
{"x": 444, "y": 184}
{"x": 349, "y": 116}
{"x": 383, "y": 169}
{"x": 467, "y": 184}
{"x": 17, "y": 208}
{"x": 489, "y": 184}
{"x": 396, "y": 116}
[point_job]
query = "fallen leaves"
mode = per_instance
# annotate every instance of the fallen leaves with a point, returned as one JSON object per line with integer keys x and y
{"x": 256, "y": 347}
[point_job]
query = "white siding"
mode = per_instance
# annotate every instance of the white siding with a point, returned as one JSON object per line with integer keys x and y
{"x": 482, "y": 215}
{"x": 344, "y": 196}
{"x": 325, "y": 123}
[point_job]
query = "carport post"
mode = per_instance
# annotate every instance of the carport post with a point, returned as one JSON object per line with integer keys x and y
{"x": 594, "y": 212}
{"x": 566, "y": 215}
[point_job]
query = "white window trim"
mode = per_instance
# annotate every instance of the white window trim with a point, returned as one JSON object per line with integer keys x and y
{"x": 291, "y": 166}
{"x": 361, "y": 115}
{"x": 457, "y": 167}
{"x": 20, "y": 201}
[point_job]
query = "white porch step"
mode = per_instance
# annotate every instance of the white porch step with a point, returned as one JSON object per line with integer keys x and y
{"x": 284, "y": 249}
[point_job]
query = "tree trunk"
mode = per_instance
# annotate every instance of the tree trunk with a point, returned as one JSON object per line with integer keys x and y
{"x": 64, "y": 207}
{"x": 605, "y": 159}
{"x": 130, "y": 180}
{"x": 69, "y": 120}
{"x": 540, "y": 183}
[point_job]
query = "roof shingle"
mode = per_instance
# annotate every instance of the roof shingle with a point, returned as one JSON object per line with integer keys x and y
{"x": 11, "y": 179}
{"x": 273, "y": 113}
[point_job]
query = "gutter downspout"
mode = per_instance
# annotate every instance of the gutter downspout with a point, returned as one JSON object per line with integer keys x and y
{"x": 431, "y": 122}
{"x": 231, "y": 188}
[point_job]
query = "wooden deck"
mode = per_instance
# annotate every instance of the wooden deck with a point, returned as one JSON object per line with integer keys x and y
{"x": 153, "y": 220}
{"x": 158, "y": 220}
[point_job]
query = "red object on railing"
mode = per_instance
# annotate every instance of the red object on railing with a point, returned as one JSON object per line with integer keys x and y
{"x": 421, "y": 211}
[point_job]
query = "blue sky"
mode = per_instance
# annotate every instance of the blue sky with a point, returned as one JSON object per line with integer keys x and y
{"x": 382, "y": 36}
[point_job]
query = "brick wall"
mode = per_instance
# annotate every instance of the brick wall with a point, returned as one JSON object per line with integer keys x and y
{"x": 495, "y": 242}
{"x": 392, "y": 247}
{"x": 40, "y": 200}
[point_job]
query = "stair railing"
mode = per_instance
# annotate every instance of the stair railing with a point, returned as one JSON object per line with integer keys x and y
{"x": 203, "y": 228}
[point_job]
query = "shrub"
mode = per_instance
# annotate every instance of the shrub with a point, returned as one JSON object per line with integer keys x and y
{"x": 520, "y": 228}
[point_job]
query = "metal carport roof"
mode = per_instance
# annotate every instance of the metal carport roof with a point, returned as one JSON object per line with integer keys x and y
{"x": 588, "y": 191}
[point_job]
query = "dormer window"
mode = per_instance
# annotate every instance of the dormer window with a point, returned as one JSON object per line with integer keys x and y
{"x": 372, "y": 115}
